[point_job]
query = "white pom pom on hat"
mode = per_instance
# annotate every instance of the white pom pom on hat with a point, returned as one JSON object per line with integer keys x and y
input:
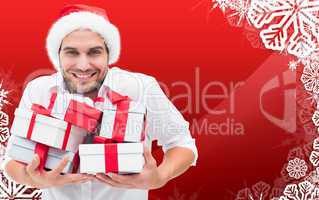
{"x": 73, "y": 17}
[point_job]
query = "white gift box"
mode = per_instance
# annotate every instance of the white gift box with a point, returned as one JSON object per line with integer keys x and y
{"x": 47, "y": 130}
{"x": 98, "y": 158}
{"x": 22, "y": 150}
{"x": 134, "y": 127}
{"x": 76, "y": 109}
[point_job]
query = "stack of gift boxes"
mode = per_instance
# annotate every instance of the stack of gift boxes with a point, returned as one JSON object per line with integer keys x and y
{"x": 115, "y": 122}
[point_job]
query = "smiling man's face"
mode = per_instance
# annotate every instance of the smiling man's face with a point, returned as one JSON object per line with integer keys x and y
{"x": 83, "y": 58}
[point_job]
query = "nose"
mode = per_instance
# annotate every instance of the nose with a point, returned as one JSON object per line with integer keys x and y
{"x": 83, "y": 63}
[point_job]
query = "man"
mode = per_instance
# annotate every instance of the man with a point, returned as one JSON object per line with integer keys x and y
{"x": 81, "y": 44}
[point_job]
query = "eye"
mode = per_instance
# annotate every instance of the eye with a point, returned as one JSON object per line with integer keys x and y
{"x": 94, "y": 52}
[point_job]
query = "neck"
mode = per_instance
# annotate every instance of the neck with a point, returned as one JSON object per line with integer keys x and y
{"x": 92, "y": 94}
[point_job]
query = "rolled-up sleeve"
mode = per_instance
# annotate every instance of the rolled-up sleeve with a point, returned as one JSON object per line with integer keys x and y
{"x": 165, "y": 123}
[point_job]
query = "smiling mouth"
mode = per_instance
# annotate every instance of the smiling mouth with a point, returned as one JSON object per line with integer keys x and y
{"x": 83, "y": 76}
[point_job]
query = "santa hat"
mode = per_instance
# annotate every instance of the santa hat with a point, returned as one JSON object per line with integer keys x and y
{"x": 73, "y": 17}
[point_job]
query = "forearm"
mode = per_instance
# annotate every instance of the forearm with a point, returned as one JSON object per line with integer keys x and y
{"x": 17, "y": 171}
{"x": 175, "y": 162}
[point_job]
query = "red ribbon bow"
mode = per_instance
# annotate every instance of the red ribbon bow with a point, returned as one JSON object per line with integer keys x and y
{"x": 122, "y": 104}
{"x": 79, "y": 114}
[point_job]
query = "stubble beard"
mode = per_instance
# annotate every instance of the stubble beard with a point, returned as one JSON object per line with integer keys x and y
{"x": 79, "y": 88}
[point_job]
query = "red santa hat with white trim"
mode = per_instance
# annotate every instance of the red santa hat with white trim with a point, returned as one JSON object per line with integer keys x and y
{"x": 73, "y": 17}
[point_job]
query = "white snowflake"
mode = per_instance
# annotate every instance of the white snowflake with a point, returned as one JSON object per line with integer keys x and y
{"x": 314, "y": 156}
{"x": 3, "y": 96}
{"x": 4, "y": 119}
{"x": 258, "y": 191}
{"x": 177, "y": 194}
{"x": 313, "y": 177}
{"x": 11, "y": 190}
{"x": 315, "y": 118}
{"x": 312, "y": 57}
{"x": 4, "y": 129}
{"x": 297, "y": 168}
{"x": 310, "y": 77}
{"x": 240, "y": 11}
{"x": 303, "y": 191}
{"x": 293, "y": 24}
{"x": 4, "y": 134}
{"x": 222, "y": 4}
{"x": 293, "y": 65}
{"x": 314, "y": 98}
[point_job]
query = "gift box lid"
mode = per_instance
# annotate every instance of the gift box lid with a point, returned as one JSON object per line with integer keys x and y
{"x": 85, "y": 110}
{"x": 30, "y": 145}
{"x": 50, "y": 121}
{"x": 79, "y": 104}
{"x": 122, "y": 148}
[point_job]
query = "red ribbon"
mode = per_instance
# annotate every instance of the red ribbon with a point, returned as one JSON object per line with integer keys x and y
{"x": 110, "y": 153}
{"x": 111, "y": 158}
{"x": 122, "y": 103}
{"x": 52, "y": 100}
{"x": 98, "y": 99}
{"x": 66, "y": 136}
{"x": 31, "y": 126}
{"x": 76, "y": 161}
{"x": 102, "y": 140}
{"x": 40, "y": 149}
{"x": 82, "y": 115}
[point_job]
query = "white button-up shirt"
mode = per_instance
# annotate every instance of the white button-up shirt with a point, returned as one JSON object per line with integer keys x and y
{"x": 164, "y": 124}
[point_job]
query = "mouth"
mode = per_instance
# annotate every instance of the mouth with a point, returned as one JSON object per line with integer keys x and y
{"x": 83, "y": 76}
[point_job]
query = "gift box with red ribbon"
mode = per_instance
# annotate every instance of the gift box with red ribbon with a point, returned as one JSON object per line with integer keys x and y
{"x": 120, "y": 158}
{"x": 123, "y": 119}
{"x": 23, "y": 150}
{"x": 75, "y": 109}
{"x": 39, "y": 127}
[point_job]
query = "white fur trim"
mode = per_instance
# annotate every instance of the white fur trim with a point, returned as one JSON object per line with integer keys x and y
{"x": 83, "y": 19}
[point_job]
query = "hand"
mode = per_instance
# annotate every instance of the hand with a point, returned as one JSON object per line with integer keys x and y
{"x": 149, "y": 178}
{"x": 42, "y": 179}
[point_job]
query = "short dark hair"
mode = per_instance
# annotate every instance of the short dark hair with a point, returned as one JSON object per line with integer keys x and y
{"x": 106, "y": 48}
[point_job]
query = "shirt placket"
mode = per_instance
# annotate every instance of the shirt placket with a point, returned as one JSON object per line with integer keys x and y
{"x": 86, "y": 190}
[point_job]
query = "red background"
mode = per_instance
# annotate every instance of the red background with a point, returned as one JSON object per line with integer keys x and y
{"x": 169, "y": 39}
